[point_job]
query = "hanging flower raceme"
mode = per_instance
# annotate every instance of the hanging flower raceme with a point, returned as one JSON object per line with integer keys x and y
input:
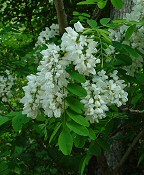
{"x": 6, "y": 83}
{"x": 47, "y": 34}
{"x": 103, "y": 91}
{"x": 55, "y": 82}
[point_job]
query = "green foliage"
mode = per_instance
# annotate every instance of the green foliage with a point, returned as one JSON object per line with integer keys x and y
{"x": 75, "y": 104}
{"x": 77, "y": 90}
{"x": 122, "y": 60}
{"x": 105, "y": 21}
{"x": 141, "y": 159}
{"x": 18, "y": 121}
{"x": 79, "y": 141}
{"x": 102, "y": 3}
{"x": 65, "y": 141}
{"x": 94, "y": 149}
{"x": 84, "y": 163}
{"x": 78, "y": 129}
{"x": 130, "y": 31}
{"x": 3, "y": 120}
{"x": 78, "y": 118}
{"x": 37, "y": 147}
{"x": 57, "y": 127}
{"x": 77, "y": 76}
{"x": 92, "y": 23}
{"x": 117, "y": 4}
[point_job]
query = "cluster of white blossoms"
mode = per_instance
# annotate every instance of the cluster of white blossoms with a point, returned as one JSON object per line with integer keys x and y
{"x": 48, "y": 33}
{"x": 6, "y": 83}
{"x": 80, "y": 50}
{"x": 47, "y": 90}
{"x": 136, "y": 40}
{"x": 103, "y": 91}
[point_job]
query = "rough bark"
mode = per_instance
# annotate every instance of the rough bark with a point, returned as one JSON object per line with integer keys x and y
{"x": 117, "y": 148}
{"x": 128, "y": 152}
{"x": 61, "y": 15}
{"x": 128, "y": 4}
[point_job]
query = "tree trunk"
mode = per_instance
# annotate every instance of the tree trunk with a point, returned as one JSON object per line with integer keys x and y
{"x": 61, "y": 15}
{"x": 128, "y": 4}
{"x": 116, "y": 150}
{"x": 114, "y": 155}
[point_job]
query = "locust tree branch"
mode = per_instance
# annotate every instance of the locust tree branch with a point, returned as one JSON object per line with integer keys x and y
{"x": 128, "y": 152}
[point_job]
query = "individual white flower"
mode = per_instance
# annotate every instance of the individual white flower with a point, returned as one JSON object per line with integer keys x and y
{"x": 78, "y": 27}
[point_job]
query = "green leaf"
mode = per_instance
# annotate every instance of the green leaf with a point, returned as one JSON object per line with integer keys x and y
{"x": 105, "y": 35}
{"x": 79, "y": 141}
{"x": 77, "y": 90}
{"x": 92, "y": 23}
{"x": 18, "y": 121}
{"x": 77, "y": 76}
{"x": 78, "y": 129}
{"x": 118, "y": 21}
{"x": 140, "y": 78}
{"x": 78, "y": 118}
{"x": 92, "y": 134}
{"x": 88, "y": 31}
{"x": 105, "y": 21}
{"x": 75, "y": 104}
{"x": 41, "y": 118}
{"x": 108, "y": 128}
{"x": 123, "y": 60}
{"x": 18, "y": 150}
{"x": 86, "y": 14}
{"x": 114, "y": 108}
{"x": 3, "y": 120}
{"x": 117, "y": 45}
{"x": 65, "y": 142}
{"x": 88, "y": 2}
{"x": 102, "y": 4}
{"x": 130, "y": 31}
{"x": 83, "y": 163}
{"x": 117, "y": 3}
{"x": 103, "y": 144}
{"x": 106, "y": 38}
{"x": 94, "y": 150}
{"x": 130, "y": 50}
{"x": 56, "y": 128}
{"x": 3, "y": 167}
{"x": 141, "y": 159}
{"x": 136, "y": 98}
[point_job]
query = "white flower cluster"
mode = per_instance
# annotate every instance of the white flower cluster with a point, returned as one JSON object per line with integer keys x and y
{"x": 103, "y": 91}
{"x": 136, "y": 40}
{"x": 6, "y": 83}
{"x": 46, "y": 91}
{"x": 80, "y": 50}
{"x": 48, "y": 33}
